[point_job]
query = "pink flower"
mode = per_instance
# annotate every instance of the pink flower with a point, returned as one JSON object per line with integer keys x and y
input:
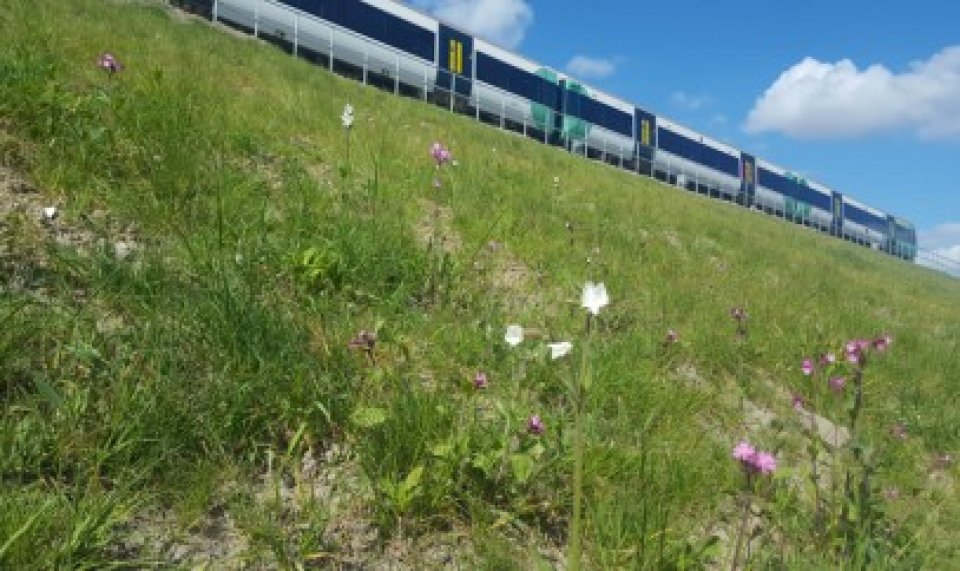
{"x": 828, "y": 359}
{"x": 480, "y": 380}
{"x": 535, "y": 425}
{"x": 764, "y": 462}
{"x": 744, "y": 452}
{"x": 837, "y": 383}
{"x": 109, "y": 63}
{"x": 798, "y": 402}
{"x": 440, "y": 153}
{"x": 807, "y": 367}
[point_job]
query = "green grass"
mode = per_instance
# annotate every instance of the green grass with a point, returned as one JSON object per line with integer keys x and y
{"x": 166, "y": 380}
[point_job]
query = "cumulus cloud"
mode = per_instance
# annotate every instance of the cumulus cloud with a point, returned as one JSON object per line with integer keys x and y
{"x": 689, "y": 101}
{"x": 941, "y": 246}
{"x": 590, "y": 68}
{"x": 503, "y": 22}
{"x": 814, "y": 99}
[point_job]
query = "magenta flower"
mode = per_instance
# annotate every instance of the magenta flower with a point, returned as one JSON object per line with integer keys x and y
{"x": 109, "y": 63}
{"x": 535, "y": 425}
{"x": 764, "y": 462}
{"x": 837, "y": 383}
{"x": 744, "y": 452}
{"x": 480, "y": 380}
{"x": 828, "y": 359}
{"x": 440, "y": 153}
{"x": 798, "y": 402}
{"x": 807, "y": 367}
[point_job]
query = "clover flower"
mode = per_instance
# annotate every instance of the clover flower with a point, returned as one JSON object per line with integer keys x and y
{"x": 535, "y": 425}
{"x": 807, "y": 366}
{"x": 109, "y": 63}
{"x": 514, "y": 335}
{"x": 594, "y": 297}
{"x": 559, "y": 349}
{"x": 480, "y": 380}
{"x": 837, "y": 383}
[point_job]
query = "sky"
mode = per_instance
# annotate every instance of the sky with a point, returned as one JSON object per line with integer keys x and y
{"x": 863, "y": 97}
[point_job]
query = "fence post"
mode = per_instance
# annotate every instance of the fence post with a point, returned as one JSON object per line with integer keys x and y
{"x": 296, "y": 32}
{"x": 215, "y": 9}
{"x": 256, "y": 20}
{"x": 330, "y": 59}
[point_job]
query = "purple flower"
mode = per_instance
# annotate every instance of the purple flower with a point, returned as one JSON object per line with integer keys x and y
{"x": 744, "y": 452}
{"x": 828, "y": 359}
{"x": 480, "y": 380}
{"x": 109, "y": 63}
{"x": 807, "y": 367}
{"x": 535, "y": 425}
{"x": 798, "y": 402}
{"x": 764, "y": 462}
{"x": 440, "y": 153}
{"x": 365, "y": 340}
{"x": 837, "y": 383}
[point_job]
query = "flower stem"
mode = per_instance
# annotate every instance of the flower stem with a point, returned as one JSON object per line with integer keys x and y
{"x": 574, "y": 555}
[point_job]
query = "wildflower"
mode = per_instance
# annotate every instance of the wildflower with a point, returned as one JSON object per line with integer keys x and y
{"x": 743, "y": 451}
{"x": 837, "y": 383}
{"x": 440, "y": 153}
{"x": 881, "y": 344}
{"x": 672, "y": 337}
{"x": 109, "y": 63}
{"x": 535, "y": 425}
{"x": 559, "y": 349}
{"x": 480, "y": 380}
{"x": 594, "y": 297}
{"x": 49, "y": 213}
{"x": 828, "y": 359}
{"x": 807, "y": 366}
{"x": 514, "y": 335}
{"x": 764, "y": 462}
{"x": 899, "y": 431}
{"x": 797, "y": 401}
{"x": 347, "y": 117}
{"x": 365, "y": 341}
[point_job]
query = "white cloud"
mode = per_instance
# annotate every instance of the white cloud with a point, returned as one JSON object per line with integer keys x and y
{"x": 689, "y": 101}
{"x": 814, "y": 99}
{"x": 941, "y": 247}
{"x": 589, "y": 67}
{"x": 501, "y": 21}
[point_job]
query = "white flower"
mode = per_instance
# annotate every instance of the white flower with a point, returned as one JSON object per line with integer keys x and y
{"x": 347, "y": 117}
{"x": 49, "y": 212}
{"x": 594, "y": 297}
{"x": 559, "y": 349}
{"x": 514, "y": 335}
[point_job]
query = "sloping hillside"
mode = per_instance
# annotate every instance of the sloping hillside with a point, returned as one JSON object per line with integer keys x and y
{"x": 248, "y": 337}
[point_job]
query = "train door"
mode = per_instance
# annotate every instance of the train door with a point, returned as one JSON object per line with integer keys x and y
{"x": 455, "y": 61}
{"x": 836, "y": 228}
{"x": 645, "y": 135}
{"x": 748, "y": 180}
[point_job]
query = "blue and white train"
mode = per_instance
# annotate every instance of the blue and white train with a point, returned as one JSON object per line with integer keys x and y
{"x": 389, "y": 44}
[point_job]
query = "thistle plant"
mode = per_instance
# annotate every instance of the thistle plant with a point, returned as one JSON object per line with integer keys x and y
{"x": 441, "y": 156}
{"x": 754, "y": 463}
{"x": 593, "y": 299}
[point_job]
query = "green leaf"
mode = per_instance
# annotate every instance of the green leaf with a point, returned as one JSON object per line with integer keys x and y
{"x": 49, "y": 393}
{"x": 369, "y": 416}
{"x": 522, "y": 466}
{"x": 412, "y": 480}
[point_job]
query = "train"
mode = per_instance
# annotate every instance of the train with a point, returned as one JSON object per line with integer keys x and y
{"x": 396, "y": 47}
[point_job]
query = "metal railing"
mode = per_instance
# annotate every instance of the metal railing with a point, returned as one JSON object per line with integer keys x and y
{"x": 298, "y": 35}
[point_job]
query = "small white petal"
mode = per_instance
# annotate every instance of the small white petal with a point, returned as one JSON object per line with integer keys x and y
{"x": 559, "y": 349}
{"x": 514, "y": 335}
{"x": 594, "y": 297}
{"x": 50, "y": 212}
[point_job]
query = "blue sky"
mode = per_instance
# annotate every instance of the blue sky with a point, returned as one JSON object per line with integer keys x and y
{"x": 861, "y": 96}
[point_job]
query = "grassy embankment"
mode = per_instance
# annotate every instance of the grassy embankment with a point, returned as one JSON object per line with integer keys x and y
{"x": 219, "y": 250}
